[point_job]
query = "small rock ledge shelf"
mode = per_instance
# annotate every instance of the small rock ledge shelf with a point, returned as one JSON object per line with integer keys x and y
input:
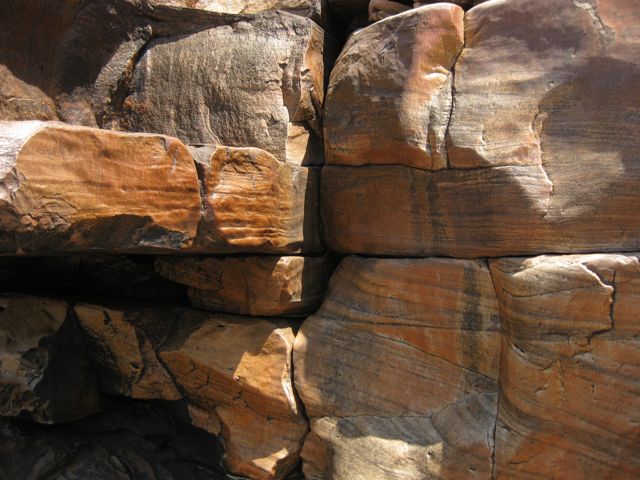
{"x": 319, "y": 239}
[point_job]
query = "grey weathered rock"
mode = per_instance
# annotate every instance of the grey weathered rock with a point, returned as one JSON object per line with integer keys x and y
{"x": 263, "y": 88}
{"x": 44, "y": 375}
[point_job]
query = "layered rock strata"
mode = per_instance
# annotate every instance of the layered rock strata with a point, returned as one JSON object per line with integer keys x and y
{"x": 534, "y": 109}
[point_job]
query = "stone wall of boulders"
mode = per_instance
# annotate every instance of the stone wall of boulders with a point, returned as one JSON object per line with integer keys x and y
{"x": 326, "y": 239}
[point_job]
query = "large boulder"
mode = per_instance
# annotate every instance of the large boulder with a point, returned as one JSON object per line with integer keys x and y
{"x": 389, "y": 96}
{"x": 44, "y": 375}
{"x": 404, "y": 353}
{"x": 70, "y": 189}
{"x": 255, "y": 285}
{"x": 263, "y": 88}
{"x": 543, "y": 142}
{"x": 570, "y": 367}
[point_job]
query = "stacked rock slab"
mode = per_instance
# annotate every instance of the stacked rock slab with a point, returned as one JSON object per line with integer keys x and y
{"x": 473, "y": 368}
{"x": 209, "y": 143}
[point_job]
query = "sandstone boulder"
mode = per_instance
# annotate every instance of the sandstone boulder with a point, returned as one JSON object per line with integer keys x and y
{"x": 542, "y": 145}
{"x": 396, "y": 340}
{"x": 236, "y": 374}
{"x": 254, "y": 203}
{"x": 123, "y": 346}
{"x": 69, "y": 189}
{"x": 260, "y": 285}
{"x": 389, "y": 96}
{"x": 570, "y": 397}
{"x": 263, "y": 88}
{"x": 43, "y": 373}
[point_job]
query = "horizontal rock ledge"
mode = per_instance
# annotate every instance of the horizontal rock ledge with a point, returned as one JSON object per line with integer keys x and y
{"x": 251, "y": 285}
{"x": 70, "y": 189}
{"x": 485, "y": 212}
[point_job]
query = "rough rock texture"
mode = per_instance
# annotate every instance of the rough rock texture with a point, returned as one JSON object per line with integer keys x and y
{"x": 314, "y": 9}
{"x": 254, "y": 203}
{"x": 122, "y": 345}
{"x": 399, "y": 339}
{"x": 241, "y": 368}
{"x": 180, "y": 89}
{"x": 43, "y": 373}
{"x": 259, "y": 285}
{"x": 66, "y": 188}
{"x": 542, "y": 145}
{"x": 76, "y": 65}
{"x": 381, "y": 9}
{"x": 570, "y": 397}
{"x": 133, "y": 440}
{"x": 390, "y": 91}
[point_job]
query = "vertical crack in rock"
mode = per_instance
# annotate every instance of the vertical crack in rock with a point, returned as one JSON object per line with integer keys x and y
{"x": 497, "y": 288}
{"x": 452, "y": 76}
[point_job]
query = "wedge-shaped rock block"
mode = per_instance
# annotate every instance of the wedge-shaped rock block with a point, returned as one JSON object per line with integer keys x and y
{"x": 254, "y": 203}
{"x": 454, "y": 443}
{"x": 236, "y": 374}
{"x": 389, "y": 97}
{"x": 123, "y": 344}
{"x": 570, "y": 369}
{"x": 43, "y": 374}
{"x": 263, "y": 88}
{"x": 396, "y": 339}
{"x": 260, "y": 285}
{"x": 70, "y": 189}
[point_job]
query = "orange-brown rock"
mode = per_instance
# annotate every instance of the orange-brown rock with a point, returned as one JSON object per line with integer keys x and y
{"x": 254, "y": 203}
{"x": 68, "y": 189}
{"x": 389, "y": 96}
{"x": 570, "y": 365}
{"x": 236, "y": 373}
{"x": 399, "y": 339}
{"x": 260, "y": 285}
{"x": 43, "y": 374}
{"x": 542, "y": 144}
{"x": 123, "y": 344}
{"x": 263, "y": 88}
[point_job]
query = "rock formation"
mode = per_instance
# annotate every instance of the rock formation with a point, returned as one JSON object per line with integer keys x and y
{"x": 187, "y": 291}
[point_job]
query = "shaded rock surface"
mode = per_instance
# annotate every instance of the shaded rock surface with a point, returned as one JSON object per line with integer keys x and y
{"x": 180, "y": 89}
{"x": 130, "y": 441}
{"x": 44, "y": 375}
{"x": 258, "y": 285}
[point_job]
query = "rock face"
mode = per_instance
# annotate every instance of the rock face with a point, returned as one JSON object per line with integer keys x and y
{"x": 236, "y": 373}
{"x": 227, "y": 103}
{"x": 254, "y": 203}
{"x": 390, "y": 91}
{"x": 394, "y": 340}
{"x": 570, "y": 351}
{"x": 259, "y": 285}
{"x": 134, "y": 440}
{"x": 43, "y": 373}
{"x": 67, "y": 189}
{"x": 123, "y": 345}
{"x": 534, "y": 109}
